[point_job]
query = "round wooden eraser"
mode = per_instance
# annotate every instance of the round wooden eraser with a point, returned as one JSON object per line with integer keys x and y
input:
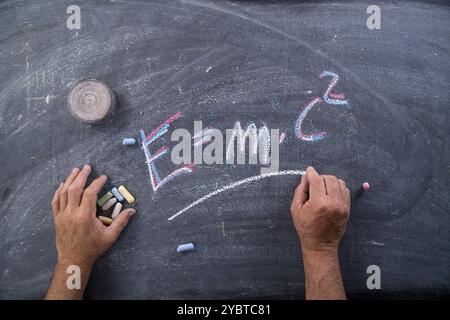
{"x": 91, "y": 101}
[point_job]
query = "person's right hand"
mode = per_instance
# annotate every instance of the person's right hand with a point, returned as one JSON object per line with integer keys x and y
{"x": 320, "y": 210}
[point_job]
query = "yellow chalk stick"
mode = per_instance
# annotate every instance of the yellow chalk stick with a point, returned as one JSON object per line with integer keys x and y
{"x": 104, "y": 198}
{"x": 127, "y": 195}
{"x": 106, "y": 221}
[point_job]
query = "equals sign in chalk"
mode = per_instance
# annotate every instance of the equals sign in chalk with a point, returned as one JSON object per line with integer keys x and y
{"x": 185, "y": 247}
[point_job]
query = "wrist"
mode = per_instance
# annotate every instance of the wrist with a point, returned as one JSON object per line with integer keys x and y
{"x": 324, "y": 252}
{"x": 82, "y": 262}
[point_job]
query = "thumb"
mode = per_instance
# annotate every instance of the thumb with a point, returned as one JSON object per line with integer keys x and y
{"x": 119, "y": 223}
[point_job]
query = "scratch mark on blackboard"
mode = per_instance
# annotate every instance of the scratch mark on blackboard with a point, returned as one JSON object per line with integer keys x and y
{"x": 222, "y": 227}
{"x": 176, "y": 75}
{"x": 376, "y": 243}
{"x": 301, "y": 42}
{"x": 237, "y": 184}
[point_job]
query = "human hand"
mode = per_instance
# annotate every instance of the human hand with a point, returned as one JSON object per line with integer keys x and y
{"x": 320, "y": 210}
{"x": 81, "y": 238}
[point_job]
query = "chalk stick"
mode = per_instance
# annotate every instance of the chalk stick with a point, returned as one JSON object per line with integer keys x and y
{"x": 116, "y": 210}
{"x": 365, "y": 186}
{"x": 108, "y": 204}
{"x": 185, "y": 247}
{"x": 127, "y": 195}
{"x": 107, "y": 221}
{"x": 117, "y": 194}
{"x": 104, "y": 198}
{"x": 128, "y": 141}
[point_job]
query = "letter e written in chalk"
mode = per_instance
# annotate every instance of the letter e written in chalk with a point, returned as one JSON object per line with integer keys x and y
{"x": 74, "y": 280}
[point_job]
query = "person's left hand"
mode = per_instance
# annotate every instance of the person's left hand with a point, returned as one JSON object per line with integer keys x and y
{"x": 81, "y": 238}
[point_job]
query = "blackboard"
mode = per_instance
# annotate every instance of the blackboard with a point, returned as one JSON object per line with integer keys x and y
{"x": 222, "y": 62}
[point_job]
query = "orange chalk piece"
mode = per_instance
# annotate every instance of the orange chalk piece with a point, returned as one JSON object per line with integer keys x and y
{"x": 105, "y": 220}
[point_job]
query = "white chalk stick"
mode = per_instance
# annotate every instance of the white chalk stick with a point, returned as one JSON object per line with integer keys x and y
{"x": 116, "y": 210}
{"x": 185, "y": 247}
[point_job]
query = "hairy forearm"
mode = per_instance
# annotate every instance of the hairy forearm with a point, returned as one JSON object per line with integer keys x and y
{"x": 323, "y": 278}
{"x": 59, "y": 289}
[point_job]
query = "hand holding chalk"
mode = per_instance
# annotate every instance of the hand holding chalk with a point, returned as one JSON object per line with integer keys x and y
{"x": 81, "y": 237}
{"x": 320, "y": 210}
{"x": 78, "y": 232}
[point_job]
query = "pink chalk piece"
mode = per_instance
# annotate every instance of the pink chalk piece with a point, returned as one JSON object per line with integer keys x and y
{"x": 365, "y": 186}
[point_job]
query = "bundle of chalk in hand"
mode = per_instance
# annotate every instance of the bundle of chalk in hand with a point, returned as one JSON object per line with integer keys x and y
{"x": 110, "y": 204}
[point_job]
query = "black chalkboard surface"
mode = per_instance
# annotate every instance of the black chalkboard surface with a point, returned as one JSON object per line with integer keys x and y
{"x": 223, "y": 62}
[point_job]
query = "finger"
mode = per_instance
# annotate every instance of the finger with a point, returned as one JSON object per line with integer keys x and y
{"x": 316, "y": 184}
{"x": 75, "y": 190}
{"x": 55, "y": 201}
{"x": 119, "y": 223}
{"x": 347, "y": 201}
{"x": 63, "y": 193}
{"x": 342, "y": 190}
{"x": 301, "y": 194}
{"x": 332, "y": 188}
{"x": 89, "y": 199}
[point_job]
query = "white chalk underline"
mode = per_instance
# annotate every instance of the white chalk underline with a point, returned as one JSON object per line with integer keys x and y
{"x": 236, "y": 184}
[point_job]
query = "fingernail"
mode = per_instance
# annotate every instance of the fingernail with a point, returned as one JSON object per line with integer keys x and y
{"x": 132, "y": 212}
{"x": 75, "y": 170}
{"x": 310, "y": 168}
{"x": 87, "y": 167}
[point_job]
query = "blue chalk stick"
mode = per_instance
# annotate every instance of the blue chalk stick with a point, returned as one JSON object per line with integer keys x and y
{"x": 185, "y": 247}
{"x": 128, "y": 141}
{"x": 117, "y": 194}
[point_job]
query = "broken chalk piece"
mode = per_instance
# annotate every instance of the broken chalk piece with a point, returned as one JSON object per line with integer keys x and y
{"x": 116, "y": 210}
{"x": 104, "y": 198}
{"x": 107, "y": 221}
{"x": 128, "y": 141}
{"x": 109, "y": 204}
{"x": 365, "y": 186}
{"x": 127, "y": 195}
{"x": 117, "y": 194}
{"x": 185, "y": 247}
